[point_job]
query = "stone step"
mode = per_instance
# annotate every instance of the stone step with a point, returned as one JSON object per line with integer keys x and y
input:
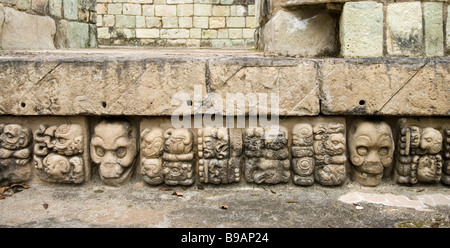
{"x": 159, "y": 82}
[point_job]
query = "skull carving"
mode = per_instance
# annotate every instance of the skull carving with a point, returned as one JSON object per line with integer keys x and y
{"x": 113, "y": 147}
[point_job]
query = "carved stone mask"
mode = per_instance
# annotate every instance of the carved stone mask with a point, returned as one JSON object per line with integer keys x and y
{"x": 431, "y": 140}
{"x": 69, "y": 139}
{"x": 371, "y": 148}
{"x": 253, "y": 139}
{"x": 14, "y": 137}
{"x": 113, "y": 146}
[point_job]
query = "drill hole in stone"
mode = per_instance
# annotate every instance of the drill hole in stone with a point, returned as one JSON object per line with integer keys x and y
{"x": 362, "y": 102}
{"x": 189, "y": 102}
{"x": 23, "y": 105}
{"x": 104, "y": 104}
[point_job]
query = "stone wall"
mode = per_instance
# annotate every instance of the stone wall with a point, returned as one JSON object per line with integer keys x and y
{"x": 186, "y": 23}
{"x": 115, "y": 116}
{"x": 47, "y": 24}
{"x": 354, "y": 28}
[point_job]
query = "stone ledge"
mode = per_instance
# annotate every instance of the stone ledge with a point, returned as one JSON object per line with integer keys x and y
{"x": 132, "y": 81}
{"x": 292, "y": 3}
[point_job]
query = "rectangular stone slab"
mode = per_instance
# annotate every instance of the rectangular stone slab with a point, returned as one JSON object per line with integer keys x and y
{"x": 139, "y": 82}
{"x": 386, "y": 87}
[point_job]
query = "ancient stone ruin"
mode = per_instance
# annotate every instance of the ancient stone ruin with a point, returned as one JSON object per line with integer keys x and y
{"x": 354, "y": 90}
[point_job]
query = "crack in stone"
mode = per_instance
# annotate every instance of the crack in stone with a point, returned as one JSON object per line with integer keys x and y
{"x": 409, "y": 80}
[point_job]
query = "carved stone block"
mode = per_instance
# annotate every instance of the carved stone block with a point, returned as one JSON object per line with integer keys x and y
{"x": 329, "y": 153}
{"x": 302, "y": 154}
{"x": 419, "y": 157}
{"x": 266, "y": 155}
{"x": 446, "y": 166}
{"x": 219, "y": 151}
{"x": 167, "y": 154}
{"x": 60, "y": 151}
{"x": 371, "y": 150}
{"x": 114, "y": 148}
{"x": 15, "y": 153}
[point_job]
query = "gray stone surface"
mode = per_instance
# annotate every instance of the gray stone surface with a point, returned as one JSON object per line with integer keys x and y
{"x": 25, "y": 31}
{"x": 258, "y": 206}
{"x": 361, "y": 29}
{"x": 404, "y": 30}
{"x": 434, "y": 30}
{"x": 72, "y": 35}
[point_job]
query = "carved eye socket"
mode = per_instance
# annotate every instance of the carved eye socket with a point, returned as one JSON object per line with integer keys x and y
{"x": 383, "y": 151}
{"x": 428, "y": 139}
{"x": 362, "y": 150}
{"x": 62, "y": 141}
{"x": 9, "y": 136}
{"x": 121, "y": 152}
{"x": 99, "y": 151}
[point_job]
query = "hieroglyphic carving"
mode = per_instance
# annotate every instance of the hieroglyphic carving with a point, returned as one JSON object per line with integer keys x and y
{"x": 219, "y": 158}
{"x": 302, "y": 154}
{"x": 446, "y": 166}
{"x": 371, "y": 149}
{"x": 152, "y": 147}
{"x": 178, "y": 157}
{"x": 167, "y": 156}
{"x": 15, "y": 153}
{"x": 58, "y": 153}
{"x": 266, "y": 155}
{"x": 418, "y": 158}
{"x": 329, "y": 153}
{"x": 113, "y": 147}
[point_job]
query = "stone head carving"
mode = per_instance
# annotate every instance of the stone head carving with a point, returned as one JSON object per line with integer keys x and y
{"x": 254, "y": 139}
{"x": 113, "y": 147}
{"x": 178, "y": 141}
{"x": 431, "y": 140}
{"x": 275, "y": 137}
{"x": 302, "y": 135}
{"x": 13, "y": 136}
{"x": 152, "y": 143}
{"x": 371, "y": 148}
{"x": 215, "y": 142}
{"x": 68, "y": 139}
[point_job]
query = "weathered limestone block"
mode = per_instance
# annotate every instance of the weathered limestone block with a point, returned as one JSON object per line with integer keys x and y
{"x": 361, "y": 29}
{"x": 419, "y": 151}
{"x": 61, "y": 151}
{"x": 446, "y": 166}
{"x": 266, "y": 155}
{"x": 371, "y": 150}
{"x": 15, "y": 153}
{"x": 434, "y": 29}
{"x": 301, "y": 33}
{"x": 73, "y": 35}
{"x": 329, "y": 153}
{"x": 100, "y": 86}
{"x": 386, "y": 87}
{"x": 404, "y": 30}
{"x": 447, "y": 31}
{"x": 219, "y": 155}
{"x": 167, "y": 154}
{"x": 113, "y": 148}
{"x": 25, "y": 31}
{"x": 261, "y": 86}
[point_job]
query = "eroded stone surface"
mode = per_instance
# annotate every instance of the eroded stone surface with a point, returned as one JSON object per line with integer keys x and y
{"x": 361, "y": 29}
{"x": 404, "y": 35}
{"x": 303, "y": 33}
{"x": 15, "y": 153}
{"x": 385, "y": 87}
{"x": 446, "y": 165}
{"x": 434, "y": 29}
{"x": 25, "y": 31}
